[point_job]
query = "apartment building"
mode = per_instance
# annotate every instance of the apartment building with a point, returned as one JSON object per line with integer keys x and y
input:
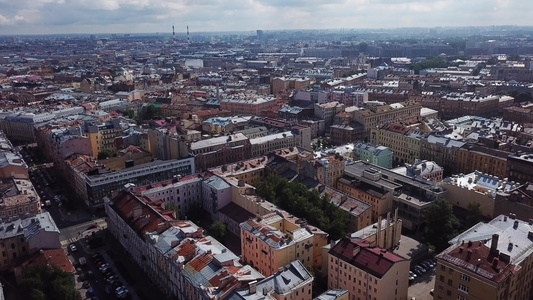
{"x": 254, "y": 107}
{"x": 489, "y": 261}
{"x": 377, "y": 155}
{"x": 99, "y": 183}
{"x": 24, "y": 236}
{"x": 102, "y": 136}
{"x": 328, "y": 169}
{"x": 222, "y": 150}
{"x": 442, "y": 150}
{"x": 167, "y": 143}
{"x": 58, "y": 142}
{"x": 184, "y": 192}
{"x": 375, "y": 116}
{"x": 276, "y": 239}
{"x": 457, "y": 105}
{"x": 477, "y": 188}
{"x": 281, "y": 84}
{"x": 11, "y": 163}
{"x": 346, "y": 133}
{"x": 19, "y": 199}
{"x": 290, "y": 282}
{"x": 386, "y": 190}
{"x": 484, "y": 159}
{"x": 520, "y": 166}
{"x": 360, "y": 212}
{"x": 265, "y": 144}
{"x": 326, "y": 111}
{"x": 176, "y": 255}
{"x": 422, "y": 169}
{"x": 366, "y": 271}
{"x": 401, "y": 139}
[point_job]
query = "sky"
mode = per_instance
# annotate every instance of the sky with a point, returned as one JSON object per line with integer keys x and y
{"x": 136, "y": 16}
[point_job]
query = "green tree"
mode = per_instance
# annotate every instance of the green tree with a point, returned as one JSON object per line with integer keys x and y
{"x": 41, "y": 282}
{"x": 474, "y": 214}
{"x": 104, "y": 154}
{"x": 218, "y": 231}
{"x": 130, "y": 113}
{"x": 174, "y": 207}
{"x": 151, "y": 111}
{"x": 441, "y": 224}
{"x": 307, "y": 204}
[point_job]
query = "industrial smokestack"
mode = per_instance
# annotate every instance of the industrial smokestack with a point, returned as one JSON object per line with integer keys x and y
{"x": 188, "y": 37}
{"x": 173, "y": 34}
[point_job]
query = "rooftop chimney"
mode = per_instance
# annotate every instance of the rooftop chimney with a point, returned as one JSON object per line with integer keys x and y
{"x": 515, "y": 224}
{"x": 469, "y": 244}
{"x": 468, "y": 254}
{"x": 252, "y": 287}
{"x": 495, "y": 262}
{"x": 494, "y": 243}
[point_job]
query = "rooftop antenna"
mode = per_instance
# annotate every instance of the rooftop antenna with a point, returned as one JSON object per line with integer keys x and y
{"x": 188, "y": 38}
{"x": 173, "y": 34}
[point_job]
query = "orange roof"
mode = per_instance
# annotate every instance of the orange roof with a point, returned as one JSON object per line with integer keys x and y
{"x": 200, "y": 262}
{"x": 53, "y": 257}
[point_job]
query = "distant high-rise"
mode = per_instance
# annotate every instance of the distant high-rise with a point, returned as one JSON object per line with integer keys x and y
{"x": 188, "y": 37}
{"x": 173, "y": 34}
{"x": 259, "y": 35}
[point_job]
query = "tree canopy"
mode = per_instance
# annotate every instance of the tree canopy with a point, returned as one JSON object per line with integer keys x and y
{"x": 296, "y": 199}
{"x": 42, "y": 282}
{"x": 431, "y": 62}
{"x": 218, "y": 231}
{"x": 474, "y": 214}
{"x": 441, "y": 224}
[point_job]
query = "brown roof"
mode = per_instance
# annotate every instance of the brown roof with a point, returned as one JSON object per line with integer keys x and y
{"x": 374, "y": 260}
{"x": 476, "y": 257}
{"x": 53, "y": 257}
{"x": 140, "y": 216}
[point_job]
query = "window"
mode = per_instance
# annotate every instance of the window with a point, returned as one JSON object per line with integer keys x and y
{"x": 465, "y": 277}
{"x": 463, "y": 288}
{"x": 450, "y": 282}
{"x": 459, "y": 297}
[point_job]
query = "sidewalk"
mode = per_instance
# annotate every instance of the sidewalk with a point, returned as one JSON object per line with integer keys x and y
{"x": 136, "y": 277}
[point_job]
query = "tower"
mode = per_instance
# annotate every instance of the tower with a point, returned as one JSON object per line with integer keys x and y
{"x": 188, "y": 38}
{"x": 173, "y": 34}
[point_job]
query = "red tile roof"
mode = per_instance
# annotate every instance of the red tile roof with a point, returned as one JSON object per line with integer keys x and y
{"x": 53, "y": 257}
{"x": 140, "y": 216}
{"x": 201, "y": 261}
{"x": 477, "y": 258}
{"x": 374, "y": 260}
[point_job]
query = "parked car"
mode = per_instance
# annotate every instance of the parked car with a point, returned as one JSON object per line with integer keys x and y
{"x": 86, "y": 285}
{"x": 422, "y": 269}
{"x": 430, "y": 263}
{"x": 411, "y": 273}
{"x": 73, "y": 247}
{"x": 103, "y": 267}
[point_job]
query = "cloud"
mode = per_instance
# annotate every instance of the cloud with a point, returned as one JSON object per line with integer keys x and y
{"x": 88, "y": 16}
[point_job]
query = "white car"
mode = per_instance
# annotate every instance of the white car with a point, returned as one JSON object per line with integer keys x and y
{"x": 73, "y": 248}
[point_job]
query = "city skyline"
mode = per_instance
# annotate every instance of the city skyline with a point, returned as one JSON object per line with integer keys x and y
{"x": 143, "y": 16}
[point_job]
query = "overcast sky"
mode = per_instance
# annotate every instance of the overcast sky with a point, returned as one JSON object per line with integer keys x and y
{"x": 132, "y": 16}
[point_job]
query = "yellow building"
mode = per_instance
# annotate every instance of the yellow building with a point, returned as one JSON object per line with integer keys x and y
{"x": 402, "y": 140}
{"x": 367, "y": 272}
{"x": 276, "y": 239}
{"x": 102, "y": 136}
{"x": 378, "y": 115}
{"x": 379, "y": 199}
{"x": 490, "y": 261}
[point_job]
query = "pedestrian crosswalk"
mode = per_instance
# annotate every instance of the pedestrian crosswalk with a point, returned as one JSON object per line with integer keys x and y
{"x": 68, "y": 242}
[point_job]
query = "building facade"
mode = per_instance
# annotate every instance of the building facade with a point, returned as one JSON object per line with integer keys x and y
{"x": 367, "y": 272}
